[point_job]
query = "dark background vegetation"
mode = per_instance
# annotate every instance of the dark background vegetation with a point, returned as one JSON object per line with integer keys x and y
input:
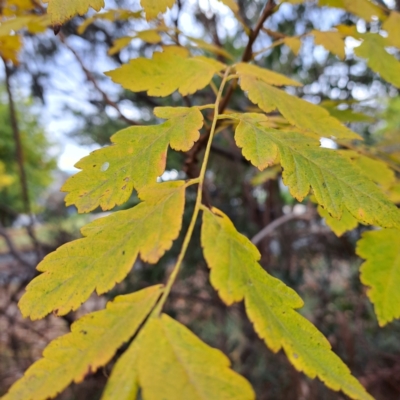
{"x": 302, "y": 251}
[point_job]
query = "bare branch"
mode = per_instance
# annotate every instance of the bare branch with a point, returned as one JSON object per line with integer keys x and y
{"x": 12, "y": 249}
{"x": 20, "y": 160}
{"x": 92, "y": 79}
{"x": 269, "y": 229}
{"x": 247, "y": 55}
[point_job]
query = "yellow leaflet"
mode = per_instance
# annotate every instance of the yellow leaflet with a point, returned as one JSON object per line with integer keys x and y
{"x": 363, "y": 8}
{"x": 339, "y": 226}
{"x": 93, "y": 341}
{"x": 392, "y": 27}
{"x": 381, "y": 271}
{"x": 34, "y": 24}
{"x": 294, "y": 1}
{"x": 231, "y": 4}
{"x": 14, "y": 24}
{"x": 16, "y": 7}
{"x": 378, "y": 59}
{"x": 119, "y": 44}
{"x": 294, "y": 43}
{"x": 149, "y": 36}
{"x": 63, "y": 10}
{"x": 169, "y": 362}
{"x": 166, "y": 72}
{"x": 39, "y": 24}
{"x": 349, "y": 30}
{"x": 331, "y": 40}
{"x": 266, "y": 75}
{"x": 298, "y": 112}
{"x": 110, "y": 15}
{"x": 270, "y": 305}
{"x": 136, "y": 159}
{"x": 155, "y": 7}
{"x": 202, "y": 44}
{"x": 107, "y": 253}
{"x": 5, "y": 180}
{"x": 10, "y": 47}
{"x": 336, "y": 183}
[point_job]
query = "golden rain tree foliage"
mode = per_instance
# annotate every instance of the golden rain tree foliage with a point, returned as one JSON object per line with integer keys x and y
{"x": 165, "y": 360}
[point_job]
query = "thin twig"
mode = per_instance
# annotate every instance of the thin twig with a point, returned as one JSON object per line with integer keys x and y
{"x": 269, "y": 9}
{"x": 197, "y": 207}
{"x": 269, "y": 229}
{"x": 92, "y": 79}
{"x": 20, "y": 161}
{"x": 12, "y": 249}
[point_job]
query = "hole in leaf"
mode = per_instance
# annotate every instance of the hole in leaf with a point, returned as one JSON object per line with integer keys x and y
{"x": 105, "y": 166}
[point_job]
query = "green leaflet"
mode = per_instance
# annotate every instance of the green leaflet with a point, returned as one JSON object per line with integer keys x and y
{"x": 107, "y": 253}
{"x": 378, "y": 59}
{"x": 381, "y": 271}
{"x": 168, "y": 361}
{"x": 270, "y": 305}
{"x": 336, "y": 183}
{"x": 136, "y": 159}
{"x": 298, "y": 112}
{"x": 167, "y": 72}
{"x": 339, "y": 226}
{"x": 376, "y": 170}
{"x": 93, "y": 341}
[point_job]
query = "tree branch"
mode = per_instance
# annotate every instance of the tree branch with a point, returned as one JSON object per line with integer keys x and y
{"x": 247, "y": 55}
{"x": 20, "y": 161}
{"x": 92, "y": 79}
{"x": 12, "y": 249}
{"x": 269, "y": 229}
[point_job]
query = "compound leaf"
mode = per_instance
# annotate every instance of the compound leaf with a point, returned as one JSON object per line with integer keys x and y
{"x": 336, "y": 183}
{"x": 392, "y": 27}
{"x": 107, "y": 253}
{"x": 266, "y": 75}
{"x": 167, "y": 72}
{"x": 331, "y": 40}
{"x": 170, "y": 362}
{"x": 63, "y": 10}
{"x": 381, "y": 271}
{"x": 93, "y": 341}
{"x": 270, "y": 305}
{"x": 136, "y": 159}
{"x": 155, "y": 7}
{"x": 298, "y": 112}
{"x": 378, "y": 59}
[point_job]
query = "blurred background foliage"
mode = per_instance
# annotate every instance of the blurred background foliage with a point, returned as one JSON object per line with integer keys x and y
{"x": 62, "y": 88}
